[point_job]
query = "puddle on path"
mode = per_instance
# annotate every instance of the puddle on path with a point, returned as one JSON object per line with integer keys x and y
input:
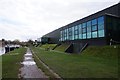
{"x": 28, "y": 63}
{"x": 30, "y": 69}
{"x": 28, "y": 58}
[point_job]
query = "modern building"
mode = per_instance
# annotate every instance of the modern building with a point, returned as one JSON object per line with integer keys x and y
{"x": 101, "y": 28}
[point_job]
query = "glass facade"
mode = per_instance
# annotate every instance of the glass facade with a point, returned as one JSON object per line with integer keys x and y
{"x": 69, "y": 33}
{"x": 84, "y": 30}
{"x": 91, "y": 29}
{"x": 72, "y": 33}
{"x": 101, "y": 27}
{"x": 80, "y": 31}
{"x": 94, "y": 28}
{"x": 76, "y": 32}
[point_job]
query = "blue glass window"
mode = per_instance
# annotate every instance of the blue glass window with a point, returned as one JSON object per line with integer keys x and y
{"x": 76, "y": 36}
{"x": 89, "y": 29}
{"x": 101, "y": 33}
{"x": 80, "y": 29}
{"x": 94, "y": 22}
{"x": 67, "y": 33}
{"x": 84, "y": 30}
{"x": 76, "y": 32}
{"x": 88, "y": 23}
{"x": 100, "y": 23}
{"x": 94, "y": 34}
{"x": 83, "y": 25}
{"x": 89, "y": 26}
{"x": 63, "y": 38}
{"x": 84, "y": 36}
{"x": 61, "y": 35}
{"x": 72, "y": 33}
{"x": 80, "y": 36}
{"x": 89, "y": 35}
{"x": 76, "y": 27}
{"x": 101, "y": 27}
{"x": 94, "y": 28}
{"x": 101, "y": 20}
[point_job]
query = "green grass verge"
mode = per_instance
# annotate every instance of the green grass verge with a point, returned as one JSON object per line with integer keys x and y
{"x": 43, "y": 68}
{"x": 94, "y": 62}
{"x": 11, "y": 63}
{"x": 62, "y": 47}
{"x": 51, "y": 46}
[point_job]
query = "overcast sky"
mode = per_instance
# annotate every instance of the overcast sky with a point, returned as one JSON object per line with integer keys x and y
{"x": 31, "y": 19}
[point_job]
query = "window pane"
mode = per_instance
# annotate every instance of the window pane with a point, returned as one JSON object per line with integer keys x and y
{"x": 94, "y": 34}
{"x": 89, "y": 35}
{"x": 94, "y": 28}
{"x": 101, "y": 33}
{"x": 101, "y": 27}
{"x": 84, "y": 36}
{"x": 83, "y": 25}
{"x": 79, "y": 25}
{"x": 80, "y": 29}
{"x": 89, "y": 26}
{"x": 84, "y": 30}
{"x": 76, "y": 32}
{"x": 61, "y": 35}
{"x": 94, "y": 22}
{"x": 76, "y": 36}
{"x": 67, "y": 34}
{"x": 88, "y": 23}
{"x": 89, "y": 29}
{"x": 80, "y": 36}
{"x": 72, "y": 33}
{"x": 76, "y": 27}
{"x": 101, "y": 23}
{"x": 101, "y": 20}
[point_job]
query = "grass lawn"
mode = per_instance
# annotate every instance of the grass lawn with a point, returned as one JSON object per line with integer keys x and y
{"x": 11, "y": 63}
{"x": 43, "y": 68}
{"x": 51, "y": 46}
{"x": 94, "y": 62}
{"x": 62, "y": 47}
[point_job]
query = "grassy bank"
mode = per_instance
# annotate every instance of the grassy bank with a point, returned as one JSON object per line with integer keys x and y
{"x": 51, "y": 46}
{"x": 62, "y": 47}
{"x": 11, "y": 63}
{"x": 94, "y": 62}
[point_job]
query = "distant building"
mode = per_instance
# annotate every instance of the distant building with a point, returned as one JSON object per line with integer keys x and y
{"x": 101, "y": 28}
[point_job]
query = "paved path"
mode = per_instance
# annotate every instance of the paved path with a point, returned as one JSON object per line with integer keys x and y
{"x": 30, "y": 69}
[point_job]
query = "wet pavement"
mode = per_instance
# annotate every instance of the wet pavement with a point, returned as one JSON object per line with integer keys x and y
{"x": 30, "y": 69}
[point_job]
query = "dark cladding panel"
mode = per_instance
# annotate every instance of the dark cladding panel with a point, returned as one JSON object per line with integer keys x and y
{"x": 53, "y": 36}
